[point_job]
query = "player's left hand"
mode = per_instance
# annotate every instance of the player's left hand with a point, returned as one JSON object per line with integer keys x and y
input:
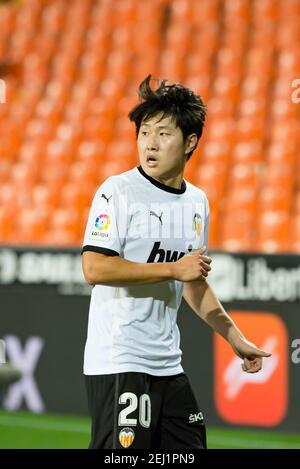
{"x": 251, "y": 355}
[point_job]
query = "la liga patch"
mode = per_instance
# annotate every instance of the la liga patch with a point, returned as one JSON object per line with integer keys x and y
{"x": 102, "y": 227}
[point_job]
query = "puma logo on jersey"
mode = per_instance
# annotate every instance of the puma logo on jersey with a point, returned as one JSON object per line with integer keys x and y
{"x": 157, "y": 216}
{"x": 160, "y": 255}
{"x": 107, "y": 199}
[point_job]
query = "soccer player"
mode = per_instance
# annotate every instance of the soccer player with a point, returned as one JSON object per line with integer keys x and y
{"x": 144, "y": 248}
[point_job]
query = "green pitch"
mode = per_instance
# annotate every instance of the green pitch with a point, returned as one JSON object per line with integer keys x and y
{"x": 26, "y": 430}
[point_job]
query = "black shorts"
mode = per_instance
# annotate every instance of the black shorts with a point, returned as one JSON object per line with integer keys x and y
{"x": 141, "y": 411}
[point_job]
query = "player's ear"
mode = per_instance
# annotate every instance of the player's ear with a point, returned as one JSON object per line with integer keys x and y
{"x": 191, "y": 142}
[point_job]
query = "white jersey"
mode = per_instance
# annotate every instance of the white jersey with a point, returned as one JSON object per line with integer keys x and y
{"x": 134, "y": 328}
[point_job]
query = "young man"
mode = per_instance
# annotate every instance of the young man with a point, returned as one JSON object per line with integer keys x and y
{"x": 144, "y": 248}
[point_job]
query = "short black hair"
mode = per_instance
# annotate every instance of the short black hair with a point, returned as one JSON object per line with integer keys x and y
{"x": 176, "y": 101}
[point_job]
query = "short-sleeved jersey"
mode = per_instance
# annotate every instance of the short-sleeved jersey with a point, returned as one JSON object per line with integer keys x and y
{"x": 134, "y": 328}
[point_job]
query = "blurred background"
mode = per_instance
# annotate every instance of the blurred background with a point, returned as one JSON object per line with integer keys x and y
{"x": 69, "y": 73}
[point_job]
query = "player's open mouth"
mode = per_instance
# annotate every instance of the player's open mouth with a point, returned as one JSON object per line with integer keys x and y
{"x": 151, "y": 161}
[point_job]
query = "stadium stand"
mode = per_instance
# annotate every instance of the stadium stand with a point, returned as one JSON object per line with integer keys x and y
{"x": 71, "y": 75}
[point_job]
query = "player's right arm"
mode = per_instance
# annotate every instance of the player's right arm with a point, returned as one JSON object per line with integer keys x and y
{"x": 116, "y": 271}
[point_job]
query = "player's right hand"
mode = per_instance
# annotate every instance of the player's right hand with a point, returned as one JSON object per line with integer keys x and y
{"x": 192, "y": 266}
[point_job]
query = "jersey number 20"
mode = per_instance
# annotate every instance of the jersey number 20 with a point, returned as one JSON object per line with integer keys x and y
{"x": 144, "y": 409}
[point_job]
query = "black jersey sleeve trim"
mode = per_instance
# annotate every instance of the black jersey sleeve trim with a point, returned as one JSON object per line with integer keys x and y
{"x": 107, "y": 252}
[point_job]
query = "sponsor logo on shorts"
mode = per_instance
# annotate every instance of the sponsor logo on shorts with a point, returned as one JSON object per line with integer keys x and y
{"x": 126, "y": 437}
{"x": 196, "y": 417}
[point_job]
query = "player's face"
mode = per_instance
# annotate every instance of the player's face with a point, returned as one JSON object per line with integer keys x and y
{"x": 161, "y": 147}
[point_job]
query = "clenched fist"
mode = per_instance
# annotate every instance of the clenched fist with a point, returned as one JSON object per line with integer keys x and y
{"x": 192, "y": 266}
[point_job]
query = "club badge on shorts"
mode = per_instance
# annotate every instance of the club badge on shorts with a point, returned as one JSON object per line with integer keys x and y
{"x": 126, "y": 437}
{"x": 102, "y": 227}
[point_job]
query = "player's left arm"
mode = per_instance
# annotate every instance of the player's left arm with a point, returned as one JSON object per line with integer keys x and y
{"x": 202, "y": 300}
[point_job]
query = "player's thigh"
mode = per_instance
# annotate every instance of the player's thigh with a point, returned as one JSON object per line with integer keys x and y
{"x": 133, "y": 411}
{"x": 100, "y": 396}
{"x": 127, "y": 416}
{"x": 182, "y": 424}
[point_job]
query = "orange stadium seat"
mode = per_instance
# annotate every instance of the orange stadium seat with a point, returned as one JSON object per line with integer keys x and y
{"x": 97, "y": 128}
{"x": 197, "y": 64}
{"x": 44, "y": 197}
{"x": 212, "y": 179}
{"x": 254, "y": 107}
{"x": 5, "y": 167}
{"x": 172, "y": 65}
{"x": 253, "y": 86}
{"x": 54, "y": 176}
{"x": 221, "y": 129}
{"x": 61, "y": 237}
{"x": 294, "y": 234}
{"x": 31, "y": 227}
{"x": 65, "y": 219}
{"x": 270, "y": 198}
{"x": 219, "y": 108}
{"x": 24, "y": 175}
{"x": 272, "y": 231}
{"x": 284, "y": 130}
{"x": 6, "y": 222}
{"x": 282, "y": 153}
{"x": 247, "y": 152}
{"x": 241, "y": 199}
{"x": 216, "y": 152}
{"x": 249, "y": 129}
{"x": 237, "y": 231}
{"x": 213, "y": 226}
{"x": 91, "y": 152}
{"x": 82, "y": 173}
{"x": 9, "y": 199}
{"x": 76, "y": 197}
{"x": 243, "y": 175}
{"x": 280, "y": 175}
{"x": 296, "y": 202}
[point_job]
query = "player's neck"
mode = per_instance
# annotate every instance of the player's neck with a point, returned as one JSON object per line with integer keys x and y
{"x": 174, "y": 181}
